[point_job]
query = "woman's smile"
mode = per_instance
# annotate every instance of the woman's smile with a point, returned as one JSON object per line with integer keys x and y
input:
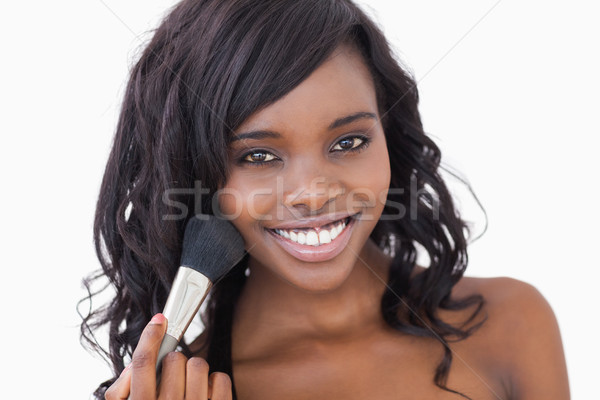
{"x": 315, "y": 243}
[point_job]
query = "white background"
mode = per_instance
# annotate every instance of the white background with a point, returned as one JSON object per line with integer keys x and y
{"x": 509, "y": 89}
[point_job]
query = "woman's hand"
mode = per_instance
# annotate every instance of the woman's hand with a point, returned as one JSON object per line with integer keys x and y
{"x": 181, "y": 378}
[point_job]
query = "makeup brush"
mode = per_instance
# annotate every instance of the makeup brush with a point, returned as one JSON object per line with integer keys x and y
{"x": 211, "y": 248}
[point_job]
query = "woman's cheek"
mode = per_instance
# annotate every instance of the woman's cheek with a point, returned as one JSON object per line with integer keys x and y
{"x": 230, "y": 202}
{"x": 243, "y": 200}
{"x": 370, "y": 184}
{"x": 259, "y": 204}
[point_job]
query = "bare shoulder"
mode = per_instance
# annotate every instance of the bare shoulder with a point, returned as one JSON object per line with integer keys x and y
{"x": 521, "y": 335}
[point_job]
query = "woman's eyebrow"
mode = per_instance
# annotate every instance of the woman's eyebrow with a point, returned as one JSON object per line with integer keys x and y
{"x": 263, "y": 134}
{"x": 351, "y": 118}
{"x": 256, "y": 135}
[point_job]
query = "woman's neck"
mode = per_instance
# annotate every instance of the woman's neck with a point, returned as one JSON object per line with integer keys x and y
{"x": 271, "y": 310}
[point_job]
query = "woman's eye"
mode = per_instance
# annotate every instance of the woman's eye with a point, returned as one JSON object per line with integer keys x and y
{"x": 350, "y": 143}
{"x": 353, "y": 144}
{"x": 258, "y": 157}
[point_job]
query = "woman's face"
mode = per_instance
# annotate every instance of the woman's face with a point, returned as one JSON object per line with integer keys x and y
{"x": 309, "y": 176}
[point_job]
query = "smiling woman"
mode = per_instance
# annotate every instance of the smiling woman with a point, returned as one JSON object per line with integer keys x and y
{"x": 296, "y": 118}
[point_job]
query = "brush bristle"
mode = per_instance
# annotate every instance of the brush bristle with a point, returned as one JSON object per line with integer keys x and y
{"x": 211, "y": 246}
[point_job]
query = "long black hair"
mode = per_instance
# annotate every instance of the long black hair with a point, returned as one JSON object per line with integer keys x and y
{"x": 210, "y": 65}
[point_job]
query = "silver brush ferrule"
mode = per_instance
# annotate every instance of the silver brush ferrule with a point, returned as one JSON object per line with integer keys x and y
{"x": 189, "y": 289}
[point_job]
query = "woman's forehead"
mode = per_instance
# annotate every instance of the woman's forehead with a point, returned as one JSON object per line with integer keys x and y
{"x": 339, "y": 87}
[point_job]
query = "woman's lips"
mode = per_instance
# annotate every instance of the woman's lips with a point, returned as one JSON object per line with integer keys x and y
{"x": 322, "y": 252}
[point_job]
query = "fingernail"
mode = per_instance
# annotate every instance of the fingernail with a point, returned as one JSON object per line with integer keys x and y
{"x": 158, "y": 319}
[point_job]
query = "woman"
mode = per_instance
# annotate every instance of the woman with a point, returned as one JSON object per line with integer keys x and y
{"x": 299, "y": 112}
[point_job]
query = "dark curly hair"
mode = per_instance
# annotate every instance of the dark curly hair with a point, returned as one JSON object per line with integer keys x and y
{"x": 210, "y": 65}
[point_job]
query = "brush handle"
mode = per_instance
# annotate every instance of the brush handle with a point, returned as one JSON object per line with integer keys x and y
{"x": 188, "y": 291}
{"x": 169, "y": 344}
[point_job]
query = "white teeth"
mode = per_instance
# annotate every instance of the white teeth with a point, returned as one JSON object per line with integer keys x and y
{"x": 333, "y": 233}
{"x": 301, "y": 238}
{"x": 283, "y": 233}
{"x": 310, "y": 237}
{"x": 324, "y": 237}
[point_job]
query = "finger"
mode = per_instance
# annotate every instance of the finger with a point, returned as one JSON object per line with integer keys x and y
{"x": 196, "y": 384}
{"x": 143, "y": 362}
{"x": 119, "y": 390}
{"x": 172, "y": 382}
{"x": 219, "y": 386}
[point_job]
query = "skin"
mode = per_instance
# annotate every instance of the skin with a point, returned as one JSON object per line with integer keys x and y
{"x": 306, "y": 330}
{"x": 181, "y": 378}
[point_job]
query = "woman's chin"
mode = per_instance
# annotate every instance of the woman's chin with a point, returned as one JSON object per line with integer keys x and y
{"x": 317, "y": 288}
{"x": 321, "y": 279}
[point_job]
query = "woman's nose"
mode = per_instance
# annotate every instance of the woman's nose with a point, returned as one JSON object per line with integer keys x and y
{"x": 314, "y": 194}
